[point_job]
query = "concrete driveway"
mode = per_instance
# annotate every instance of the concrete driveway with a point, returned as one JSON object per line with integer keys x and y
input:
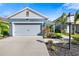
{"x": 23, "y": 46}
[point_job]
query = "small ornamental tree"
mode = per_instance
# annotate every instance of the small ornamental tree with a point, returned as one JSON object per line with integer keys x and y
{"x": 4, "y": 28}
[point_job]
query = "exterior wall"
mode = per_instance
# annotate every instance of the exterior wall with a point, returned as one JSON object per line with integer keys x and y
{"x": 12, "y": 21}
{"x": 72, "y": 26}
{"x": 23, "y": 15}
{"x": 77, "y": 28}
{"x": 10, "y": 31}
{"x": 27, "y": 20}
{"x": 77, "y": 21}
{"x": 70, "y": 19}
{"x": 67, "y": 28}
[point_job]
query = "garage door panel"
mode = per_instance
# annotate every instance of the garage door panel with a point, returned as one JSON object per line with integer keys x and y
{"x": 27, "y": 29}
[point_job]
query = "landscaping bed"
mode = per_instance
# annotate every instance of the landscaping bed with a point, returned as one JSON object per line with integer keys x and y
{"x": 59, "y": 49}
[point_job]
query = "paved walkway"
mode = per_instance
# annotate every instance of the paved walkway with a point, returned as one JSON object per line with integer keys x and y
{"x": 23, "y": 46}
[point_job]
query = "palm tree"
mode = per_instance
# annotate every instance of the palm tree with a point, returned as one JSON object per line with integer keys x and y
{"x": 62, "y": 20}
{"x": 76, "y": 17}
{"x": 4, "y": 27}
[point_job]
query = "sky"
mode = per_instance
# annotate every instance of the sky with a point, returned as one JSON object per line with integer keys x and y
{"x": 51, "y": 10}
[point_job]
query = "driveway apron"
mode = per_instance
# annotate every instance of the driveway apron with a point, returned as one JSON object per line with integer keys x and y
{"x": 23, "y": 46}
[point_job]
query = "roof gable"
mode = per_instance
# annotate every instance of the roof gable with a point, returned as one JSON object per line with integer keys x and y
{"x": 27, "y": 13}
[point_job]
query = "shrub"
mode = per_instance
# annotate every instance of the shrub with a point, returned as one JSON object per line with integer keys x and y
{"x": 46, "y": 31}
{"x": 58, "y": 35}
{"x": 49, "y": 35}
{"x": 53, "y": 35}
{"x": 57, "y": 30}
{"x": 50, "y": 42}
{"x": 75, "y": 42}
{"x": 66, "y": 34}
{"x": 76, "y": 37}
{"x": 5, "y": 33}
{"x": 54, "y": 48}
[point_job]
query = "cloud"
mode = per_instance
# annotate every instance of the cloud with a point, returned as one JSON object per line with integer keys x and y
{"x": 59, "y": 11}
{"x": 67, "y": 7}
{"x": 74, "y": 6}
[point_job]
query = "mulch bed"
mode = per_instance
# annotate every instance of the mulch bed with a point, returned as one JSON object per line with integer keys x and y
{"x": 63, "y": 50}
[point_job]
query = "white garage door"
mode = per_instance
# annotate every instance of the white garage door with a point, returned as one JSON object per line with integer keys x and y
{"x": 27, "y": 29}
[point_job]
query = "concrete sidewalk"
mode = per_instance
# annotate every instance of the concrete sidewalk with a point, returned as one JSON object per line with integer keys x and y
{"x": 23, "y": 46}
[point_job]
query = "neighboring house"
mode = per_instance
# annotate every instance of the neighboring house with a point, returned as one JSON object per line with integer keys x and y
{"x": 27, "y": 22}
{"x": 57, "y": 25}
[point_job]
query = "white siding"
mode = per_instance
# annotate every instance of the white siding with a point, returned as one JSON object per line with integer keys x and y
{"x": 77, "y": 28}
{"x": 70, "y": 19}
{"x": 22, "y": 18}
{"x": 67, "y": 29}
{"x": 29, "y": 20}
{"x": 23, "y": 15}
{"x": 77, "y": 22}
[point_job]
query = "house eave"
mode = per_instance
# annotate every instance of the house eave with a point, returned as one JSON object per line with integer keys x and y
{"x": 8, "y": 17}
{"x": 28, "y": 18}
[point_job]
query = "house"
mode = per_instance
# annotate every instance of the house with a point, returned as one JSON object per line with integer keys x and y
{"x": 27, "y": 22}
{"x": 58, "y": 25}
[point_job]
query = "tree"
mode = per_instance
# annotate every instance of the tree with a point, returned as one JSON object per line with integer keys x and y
{"x": 4, "y": 27}
{"x": 62, "y": 20}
